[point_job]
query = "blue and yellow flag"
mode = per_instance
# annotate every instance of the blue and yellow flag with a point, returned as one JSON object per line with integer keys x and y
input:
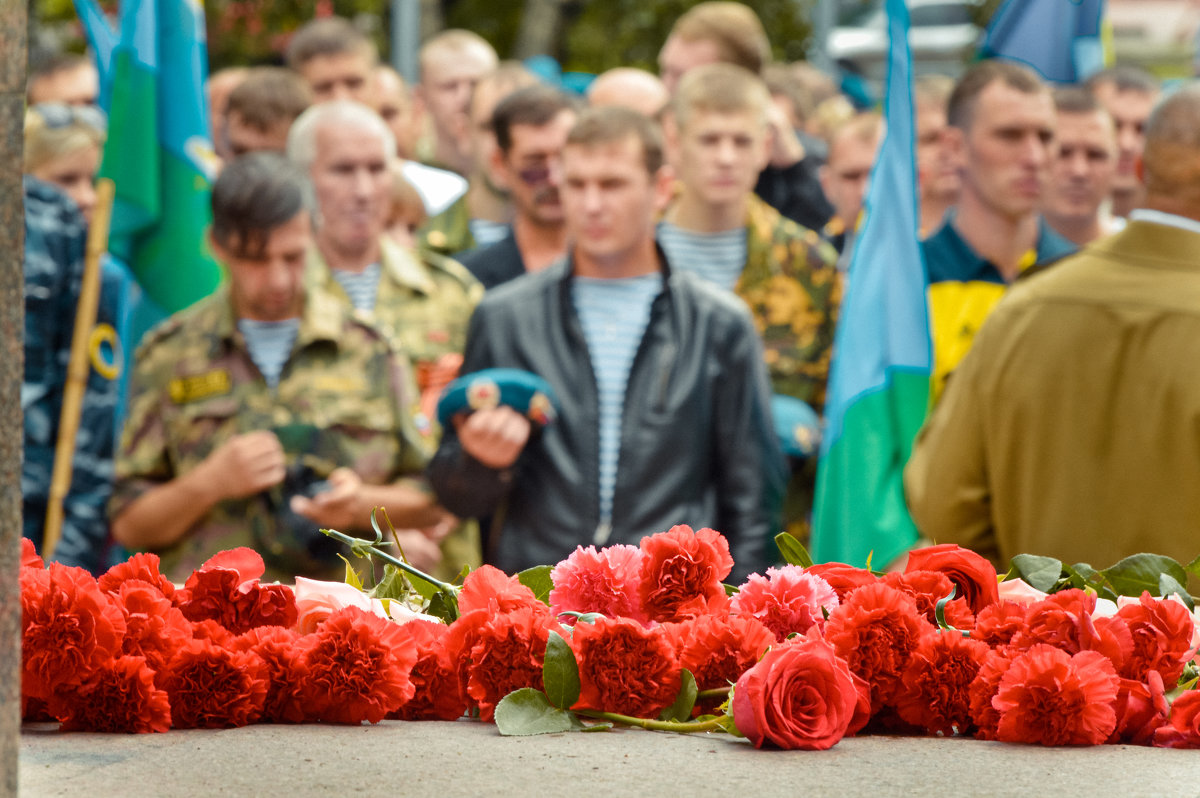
{"x": 158, "y": 151}
{"x": 879, "y": 380}
{"x": 1058, "y": 38}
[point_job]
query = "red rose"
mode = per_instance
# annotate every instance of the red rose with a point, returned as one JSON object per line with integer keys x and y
{"x": 974, "y": 575}
{"x": 489, "y": 588}
{"x": 1141, "y": 709}
{"x": 682, "y": 573}
{"x": 1182, "y": 729}
{"x": 998, "y": 624}
{"x": 119, "y": 697}
{"x": 143, "y": 567}
{"x": 843, "y": 578}
{"x": 1051, "y": 697}
{"x": 875, "y": 630}
{"x": 800, "y": 695}
{"x": 788, "y": 600}
{"x": 719, "y": 650}
{"x": 29, "y": 555}
{"x": 154, "y": 627}
{"x": 69, "y": 629}
{"x": 436, "y": 696}
{"x": 357, "y": 668}
{"x": 282, "y": 652}
{"x": 1162, "y": 638}
{"x": 506, "y": 653}
{"x": 625, "y": 668}
{"x": 213, "y": 687}
{"x": 936, "y": 683}
{"x": 928, "y": 588}
{"x": 983, "y": 689}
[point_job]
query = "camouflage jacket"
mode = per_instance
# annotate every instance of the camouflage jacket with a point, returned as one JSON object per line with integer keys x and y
{"x": 793, "y": 288}
{"x": 55, "y": 239}
{"x": 344, "y": 399}
{"x": 449, "y": 232}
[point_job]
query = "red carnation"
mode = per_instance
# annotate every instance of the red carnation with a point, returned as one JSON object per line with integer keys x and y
{"x": 928, "y": 588}
{"x": 983, "y": 689}
{"x": 29, "y": 555}
{"x": 998, "y": 624}
{"x": 845, "y": 579}
{"x": 213, "y": 687}
{"x": 143, "y": 567}
{"x": 489, "y": 588}
{"x": 506, "y": 653}
{"x": 154, "y": 627}
{"x": 1141, "y": 709}
{"x": 436, "y": 695}
{"x": 357, "y": 668}
{"x": 1064, "y": 620}
{"x": 936, "y": 682}
{"x": 606, "y": 581}
{"x": 875, "y": 631}
{"x": 1162, "y": 638}
{"x": 719, "y": 650}
{"x": 1182, "y": 729}
{"x": 972, "y": 573}
{"x": 69, "y": 629}
{"x": 800, "y": 695}
{"x": 787, "y": 600}
{"x": 682, "y": 573}
{"x": 1051, "y": 697}
{"x": 625, "y": 668}
{"x": 226, "y": 590}
{"x": 282, "y": 652}
{"x": 119, "y": 697}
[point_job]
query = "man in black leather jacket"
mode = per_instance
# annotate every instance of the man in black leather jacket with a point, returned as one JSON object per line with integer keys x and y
{"x": 692, "y": 432}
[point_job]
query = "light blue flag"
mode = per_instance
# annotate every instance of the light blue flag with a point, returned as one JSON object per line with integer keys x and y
{"x": 1058, "y": 38}
{"x": 879, "y": 380}
{"x": 103, "y": 39}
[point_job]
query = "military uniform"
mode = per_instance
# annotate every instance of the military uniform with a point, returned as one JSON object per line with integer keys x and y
{"x": 423, "y": 307}
{"x": 55, "y": 240}
{"x": 449, "y": 232}
{"x": 344, "y": 399}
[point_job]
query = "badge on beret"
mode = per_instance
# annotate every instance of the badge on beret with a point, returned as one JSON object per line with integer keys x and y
{"x": 523, "y": 391}
{"x": 797, "y": 426}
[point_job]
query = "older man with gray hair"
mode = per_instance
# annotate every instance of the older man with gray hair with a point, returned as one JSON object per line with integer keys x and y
{"x": 1068, "y": 430}
{"x": 421, "y": 302}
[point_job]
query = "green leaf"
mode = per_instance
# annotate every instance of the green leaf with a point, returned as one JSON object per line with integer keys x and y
{"x": 352, "y": 577}
{"x": 560, "y": 672}
{"x": 681, "y": 710}
{"x": 537, "y": 579}
{"x": 1083, "y": 576}
{"x": 528, "y": 711}
{"x": 1141, "y": 572}
{"x": 392, "y": 585}
{"x": 1193, "y": 567}
{"x": 1167, "y": 585}
{"x": 1039, "y": 572}
{"x": 793, "y": 551}
{"x": 730, "y": 590}
{"x": 582, "y": 617}
{"x": 426, "y": 588}
{"x": 443, "y": 605}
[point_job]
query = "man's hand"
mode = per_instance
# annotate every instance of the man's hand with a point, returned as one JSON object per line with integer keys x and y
{"x": 785, "y": 146}
{"x": 494, "y": 437}
{"x": 419, "y": 549}
{"x": 245, "y": 465}
{"x": 340, "y": 507}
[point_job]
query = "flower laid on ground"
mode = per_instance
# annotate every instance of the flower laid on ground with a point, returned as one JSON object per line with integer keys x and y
{"x": 798, "y": 657}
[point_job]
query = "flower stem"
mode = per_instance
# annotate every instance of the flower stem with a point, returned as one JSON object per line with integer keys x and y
{"x": 682, "y": 727}
{"x": 359, "y": 543}
{"x": 716, "y": 692}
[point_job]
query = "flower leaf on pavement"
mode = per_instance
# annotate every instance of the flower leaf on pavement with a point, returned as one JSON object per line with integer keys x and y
{"x": 1139, "y": 572}
{"x": 528, "y": 711}
{"x": 537, "y": 579}
{"x": 681, "y": 710}
{"x": 793, "y": 551}
{"x": 560, "y": 672}
{"x": 1040, "y": 572}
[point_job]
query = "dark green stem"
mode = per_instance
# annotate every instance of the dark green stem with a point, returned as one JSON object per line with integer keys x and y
{"x": 682, "y": 727}
{"x": 358, "y": 544}
{"x": 716, "y": 692}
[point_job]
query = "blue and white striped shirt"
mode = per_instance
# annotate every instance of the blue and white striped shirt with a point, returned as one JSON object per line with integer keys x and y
{"x": 270, "y": 343}
{"x": 717, "y": 257}
{"x": 614, "y": 314}
{"x": 362, "y": 287}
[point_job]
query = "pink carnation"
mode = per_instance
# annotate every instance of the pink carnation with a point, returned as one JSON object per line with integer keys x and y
{"x": 606, "y": 581}
{"x": 787, "y": 600}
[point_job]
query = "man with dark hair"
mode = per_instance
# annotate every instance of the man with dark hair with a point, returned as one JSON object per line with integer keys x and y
{"x": 1000, "y": 137}
{"x": 664, "y": 416}
{"x": 1068, "y": 431}
{"x": 1084, "y": 168}
{"x": 1128, "y": 94}
{"x": 531, "y": 127}
{"x": 335, "y": 59}
{"x": 64, "y": 78}
{"x": 267, "y": 410}
{"x": 262, "y": 108}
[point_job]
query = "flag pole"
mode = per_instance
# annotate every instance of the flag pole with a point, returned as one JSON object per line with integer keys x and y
{"x": 77, "y": 367}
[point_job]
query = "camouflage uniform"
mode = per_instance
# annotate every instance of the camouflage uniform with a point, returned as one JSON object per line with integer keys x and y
{"x": 423, "y": 307}
{"x": 343, "y": 399}
{"x": 793, "y": 288}
{"x": 449, "y": 232}
{"x": 55, "y": 239}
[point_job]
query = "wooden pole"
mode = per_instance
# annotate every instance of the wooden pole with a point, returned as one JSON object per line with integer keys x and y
{"x": 78, "y": 367}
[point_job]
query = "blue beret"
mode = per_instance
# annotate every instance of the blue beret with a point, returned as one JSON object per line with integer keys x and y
{"x": 523, "y": 391}
{"x": 797, "y": 426}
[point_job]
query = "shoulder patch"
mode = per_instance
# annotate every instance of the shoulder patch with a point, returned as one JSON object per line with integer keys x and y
{"x": 199, "y": 386}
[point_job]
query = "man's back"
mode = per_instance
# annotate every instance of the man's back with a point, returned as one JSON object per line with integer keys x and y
{"x": 1073, "y": 427}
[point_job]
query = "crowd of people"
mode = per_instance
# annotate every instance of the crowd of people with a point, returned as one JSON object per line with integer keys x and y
{"x": 668, "y": 253}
